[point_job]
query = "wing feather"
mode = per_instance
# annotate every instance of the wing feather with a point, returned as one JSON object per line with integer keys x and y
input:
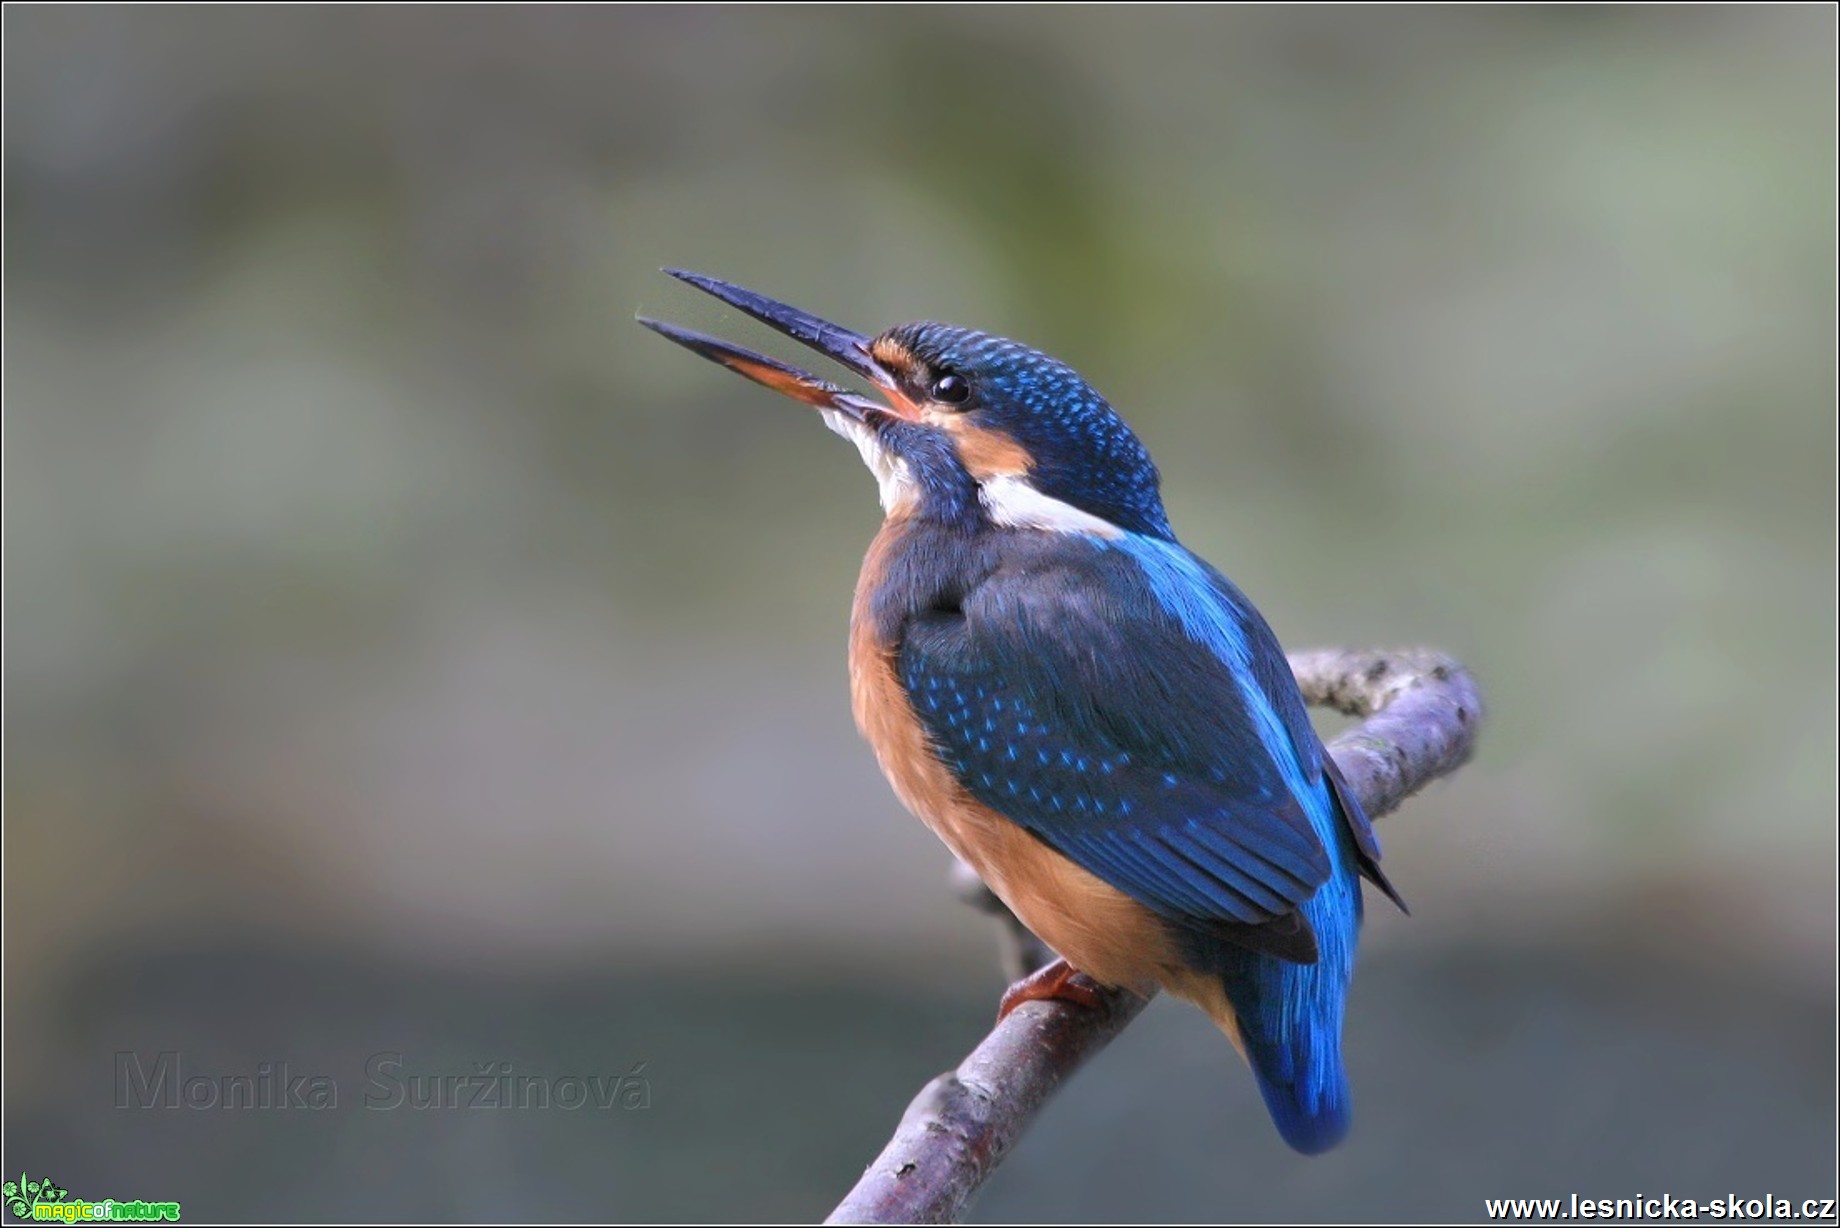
{"x": 1066, "y": 695}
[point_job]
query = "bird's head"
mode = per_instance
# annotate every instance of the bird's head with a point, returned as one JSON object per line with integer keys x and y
{"x": 968, "y": 424}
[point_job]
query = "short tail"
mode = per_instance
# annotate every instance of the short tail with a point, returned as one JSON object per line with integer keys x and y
{"x": 1295, "y": 1055}
{"x": 1309, "y": 1106}
{"x": 1289, "y": 1015}
{"x": 1285, "y": 1014}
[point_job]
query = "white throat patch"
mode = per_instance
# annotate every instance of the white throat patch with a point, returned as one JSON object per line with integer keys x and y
{"x": 894, "y": 481}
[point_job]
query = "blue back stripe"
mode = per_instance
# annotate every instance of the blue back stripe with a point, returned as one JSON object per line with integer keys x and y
{"x": 1186, "y": 590}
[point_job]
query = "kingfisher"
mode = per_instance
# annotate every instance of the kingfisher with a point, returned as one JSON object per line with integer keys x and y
{"x": 1088, "y": 714}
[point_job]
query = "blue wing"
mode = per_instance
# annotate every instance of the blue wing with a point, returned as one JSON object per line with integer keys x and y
{"x": 1127, "y": 706}
{"x": 1214, "y": 611}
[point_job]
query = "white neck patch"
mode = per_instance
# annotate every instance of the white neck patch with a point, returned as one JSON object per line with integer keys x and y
{"x": 1013, "y": 502}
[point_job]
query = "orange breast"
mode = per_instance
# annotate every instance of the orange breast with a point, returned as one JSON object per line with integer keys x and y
{"x": 1097, "y": 928}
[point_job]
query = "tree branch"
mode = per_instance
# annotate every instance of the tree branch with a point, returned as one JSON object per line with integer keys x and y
{"x": 1421, "y": 713}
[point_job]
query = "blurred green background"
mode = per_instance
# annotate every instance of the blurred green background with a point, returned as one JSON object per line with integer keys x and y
{"x": 407, "y": 653}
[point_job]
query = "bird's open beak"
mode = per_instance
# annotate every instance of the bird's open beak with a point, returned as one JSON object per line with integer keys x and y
{"x": 850, "y": 349}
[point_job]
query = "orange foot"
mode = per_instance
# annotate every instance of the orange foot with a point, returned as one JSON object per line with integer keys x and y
{"x": 1057, "y": 981}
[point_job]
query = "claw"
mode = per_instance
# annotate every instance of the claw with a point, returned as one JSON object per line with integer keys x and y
{"x": 1057, "y": 982}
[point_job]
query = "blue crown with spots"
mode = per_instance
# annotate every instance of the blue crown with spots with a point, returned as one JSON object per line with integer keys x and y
{"x": 1083, "y": 452}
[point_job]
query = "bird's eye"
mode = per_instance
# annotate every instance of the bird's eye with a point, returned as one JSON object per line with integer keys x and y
{"x": 951, "y": 389}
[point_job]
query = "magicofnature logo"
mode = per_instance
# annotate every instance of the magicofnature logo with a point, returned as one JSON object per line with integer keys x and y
{"x": 44, "y": 1200}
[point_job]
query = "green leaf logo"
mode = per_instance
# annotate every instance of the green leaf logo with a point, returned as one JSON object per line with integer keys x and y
{"x": 24, "y": 1194}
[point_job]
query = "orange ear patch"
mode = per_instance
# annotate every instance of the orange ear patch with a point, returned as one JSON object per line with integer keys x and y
{"x": 985, "y": 453}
